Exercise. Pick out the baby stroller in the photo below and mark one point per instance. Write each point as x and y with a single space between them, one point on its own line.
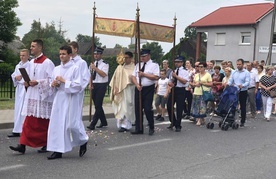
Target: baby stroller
226 109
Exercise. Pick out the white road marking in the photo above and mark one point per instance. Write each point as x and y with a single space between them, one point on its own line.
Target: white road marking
11 167
214 130
139 144
168 122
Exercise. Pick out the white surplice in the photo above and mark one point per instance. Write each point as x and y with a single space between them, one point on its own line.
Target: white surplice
65 130
38 101
20 92
123 101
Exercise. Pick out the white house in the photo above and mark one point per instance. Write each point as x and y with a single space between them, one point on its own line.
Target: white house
238 32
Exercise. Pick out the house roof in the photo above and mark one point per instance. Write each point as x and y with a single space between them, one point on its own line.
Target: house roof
235 15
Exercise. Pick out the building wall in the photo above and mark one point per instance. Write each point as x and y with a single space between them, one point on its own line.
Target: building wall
232 50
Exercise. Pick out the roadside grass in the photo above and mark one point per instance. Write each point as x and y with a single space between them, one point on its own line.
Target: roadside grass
6 103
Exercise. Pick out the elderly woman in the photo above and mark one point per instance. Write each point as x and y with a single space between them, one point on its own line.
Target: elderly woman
268 84
261 72
202 80
227 72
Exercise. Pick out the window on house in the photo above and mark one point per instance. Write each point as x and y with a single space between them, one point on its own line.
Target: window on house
220 39
245 38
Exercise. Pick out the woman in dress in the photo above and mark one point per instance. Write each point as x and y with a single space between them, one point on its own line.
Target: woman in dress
217 87
202 80
268 84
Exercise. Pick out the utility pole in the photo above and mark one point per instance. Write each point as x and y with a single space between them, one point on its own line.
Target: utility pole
268 60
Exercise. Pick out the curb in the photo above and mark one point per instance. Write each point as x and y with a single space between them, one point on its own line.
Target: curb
9 125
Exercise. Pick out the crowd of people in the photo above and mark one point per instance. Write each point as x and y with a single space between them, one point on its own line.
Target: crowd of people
49 99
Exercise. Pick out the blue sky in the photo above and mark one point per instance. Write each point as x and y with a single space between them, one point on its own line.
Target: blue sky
77 15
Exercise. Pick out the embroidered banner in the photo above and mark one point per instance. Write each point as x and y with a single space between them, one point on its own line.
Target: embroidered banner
156 32
116 27
126 28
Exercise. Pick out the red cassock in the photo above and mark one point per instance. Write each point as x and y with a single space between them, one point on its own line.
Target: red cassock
34 132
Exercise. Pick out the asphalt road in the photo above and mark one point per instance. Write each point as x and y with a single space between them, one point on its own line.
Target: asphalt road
195 152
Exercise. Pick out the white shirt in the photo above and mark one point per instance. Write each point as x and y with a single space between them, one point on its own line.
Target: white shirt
103 66
254 78
162 86
150 68
182 73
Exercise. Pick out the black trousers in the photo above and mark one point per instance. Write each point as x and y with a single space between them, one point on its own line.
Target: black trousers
187 107
242 101
98 94
147 98
179 99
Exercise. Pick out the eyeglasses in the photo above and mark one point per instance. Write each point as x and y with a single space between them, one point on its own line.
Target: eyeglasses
201 66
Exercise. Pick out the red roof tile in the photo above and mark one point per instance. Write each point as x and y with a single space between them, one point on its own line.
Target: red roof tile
235 15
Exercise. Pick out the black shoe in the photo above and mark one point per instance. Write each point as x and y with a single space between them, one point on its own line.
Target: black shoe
242 125
161 119
101 126
83 149
14 134
184 115
170 127
137 132
91 128
55 155
122 129
187 117
151 131
158 117
19 148
177 129
43 150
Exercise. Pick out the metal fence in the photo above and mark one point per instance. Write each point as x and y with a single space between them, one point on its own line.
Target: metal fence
7 90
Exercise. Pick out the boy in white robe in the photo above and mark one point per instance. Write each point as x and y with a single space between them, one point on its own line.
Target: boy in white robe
20 92
64 129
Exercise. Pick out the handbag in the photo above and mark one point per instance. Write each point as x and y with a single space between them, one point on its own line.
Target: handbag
206 95
272 94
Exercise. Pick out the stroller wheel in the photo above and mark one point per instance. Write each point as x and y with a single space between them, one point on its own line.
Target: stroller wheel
211 126
220 123
234 125
237 126
208 125
226 127
222 127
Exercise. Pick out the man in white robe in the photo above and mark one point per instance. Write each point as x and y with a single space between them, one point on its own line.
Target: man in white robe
38 102
122 92
85 73
20 92
65 129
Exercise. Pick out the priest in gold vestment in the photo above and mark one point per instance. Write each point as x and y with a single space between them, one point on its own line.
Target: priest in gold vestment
122 92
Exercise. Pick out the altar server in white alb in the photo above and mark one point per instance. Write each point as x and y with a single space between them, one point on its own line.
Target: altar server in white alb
64 129
20 92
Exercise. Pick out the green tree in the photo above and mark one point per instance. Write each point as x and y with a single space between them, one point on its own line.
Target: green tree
190 33
156 51
52 39
8 20
118 46
88 39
